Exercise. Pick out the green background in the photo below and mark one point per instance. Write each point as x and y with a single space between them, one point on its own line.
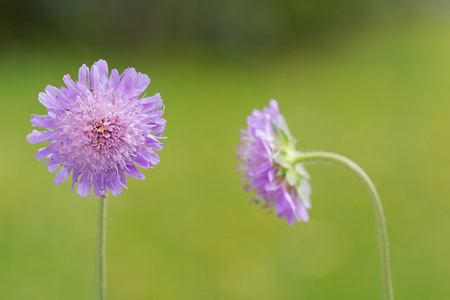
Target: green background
376 91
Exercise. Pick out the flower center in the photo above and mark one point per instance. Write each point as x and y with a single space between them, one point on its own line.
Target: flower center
99 125
101 138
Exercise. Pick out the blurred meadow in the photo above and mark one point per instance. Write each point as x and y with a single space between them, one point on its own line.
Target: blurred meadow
369 81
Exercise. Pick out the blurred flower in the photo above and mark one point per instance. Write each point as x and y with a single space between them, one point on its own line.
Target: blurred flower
99 129
266 158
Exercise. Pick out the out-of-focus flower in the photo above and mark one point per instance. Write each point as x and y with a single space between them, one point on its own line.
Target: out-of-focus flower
267 154
99 130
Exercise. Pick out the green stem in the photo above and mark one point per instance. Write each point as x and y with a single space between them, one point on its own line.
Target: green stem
100 272
377 207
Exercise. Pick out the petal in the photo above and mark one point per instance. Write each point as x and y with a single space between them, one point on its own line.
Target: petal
58 96
113 184
34 137
114 79
99 185
272 185
48 101
95 81
153 143
290 218
158 127
281 205
151 103
42 153
100 76
75 174
140 83
262 169
52 165
44 121
142 162
127 79
62 175
274 106
290 200
303 213
122 178
84 186
260 181
71 85
41 137
151 156
83 75
102 66
133 172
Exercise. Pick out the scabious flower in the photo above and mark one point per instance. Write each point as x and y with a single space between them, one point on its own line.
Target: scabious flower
266 155
99 129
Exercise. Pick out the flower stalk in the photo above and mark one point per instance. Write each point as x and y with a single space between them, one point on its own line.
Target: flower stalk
100 272
377 208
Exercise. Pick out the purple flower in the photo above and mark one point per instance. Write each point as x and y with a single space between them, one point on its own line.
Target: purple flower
99 130
267 154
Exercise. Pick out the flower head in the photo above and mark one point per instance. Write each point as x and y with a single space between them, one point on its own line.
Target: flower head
267 155
98 129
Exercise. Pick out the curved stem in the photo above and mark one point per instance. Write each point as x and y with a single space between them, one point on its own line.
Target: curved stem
377 207
100 272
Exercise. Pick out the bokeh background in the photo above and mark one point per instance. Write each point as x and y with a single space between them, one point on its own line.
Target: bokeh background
366 79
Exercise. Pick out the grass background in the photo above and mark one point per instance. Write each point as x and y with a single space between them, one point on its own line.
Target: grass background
379 96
